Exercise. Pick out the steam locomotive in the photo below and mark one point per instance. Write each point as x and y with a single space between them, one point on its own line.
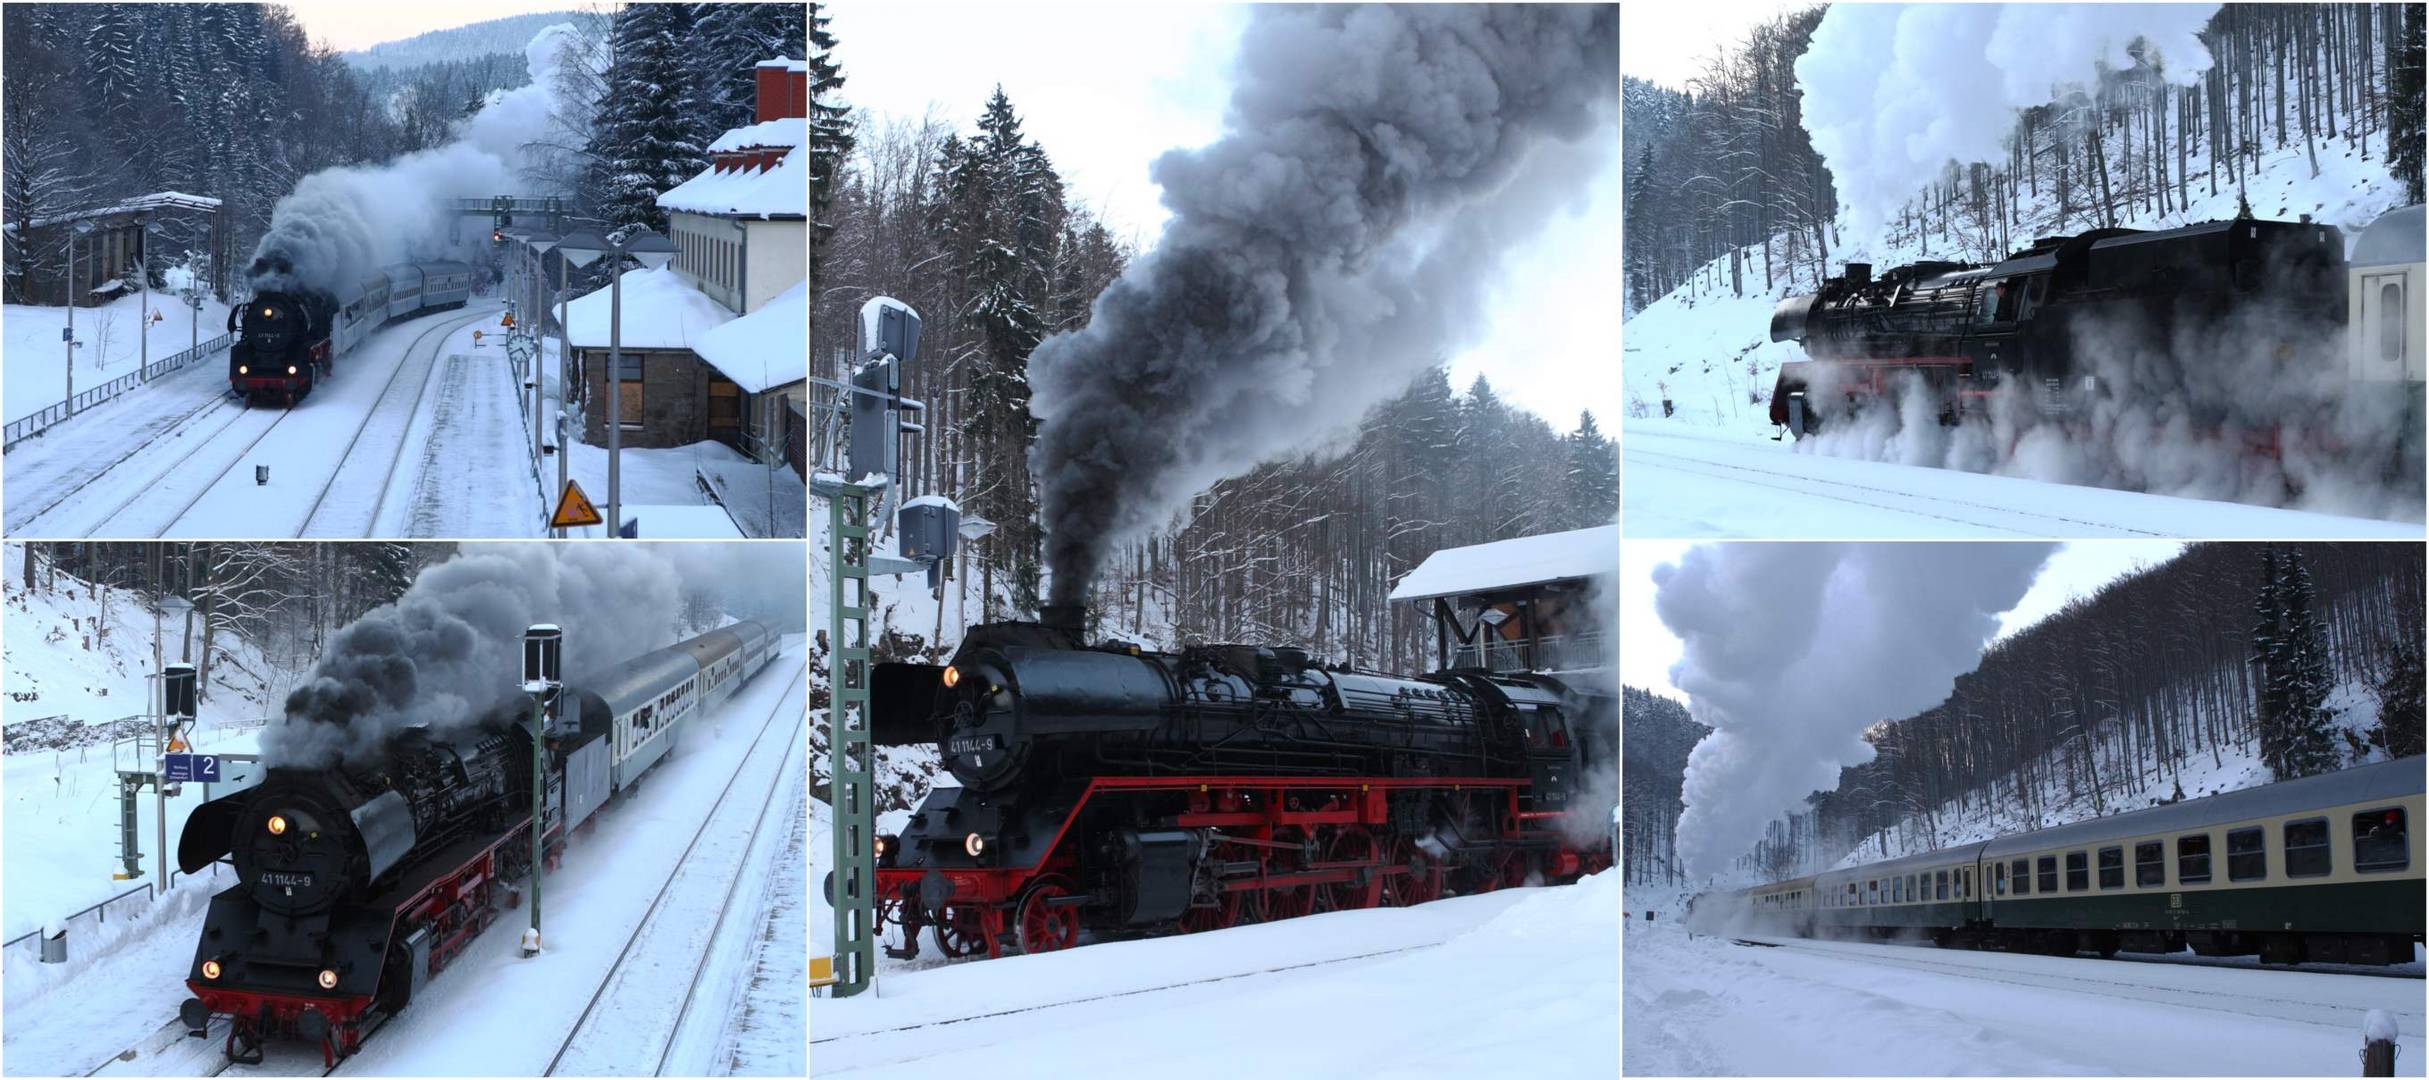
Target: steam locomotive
358 882
1123 791
2223 294
288 341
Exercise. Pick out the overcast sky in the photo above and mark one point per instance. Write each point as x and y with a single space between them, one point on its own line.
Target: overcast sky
1106 88
1648 648
347 25
1668 42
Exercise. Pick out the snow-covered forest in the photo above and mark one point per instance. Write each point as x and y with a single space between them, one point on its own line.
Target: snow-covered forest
1727 165
2230 665
235 102
973 227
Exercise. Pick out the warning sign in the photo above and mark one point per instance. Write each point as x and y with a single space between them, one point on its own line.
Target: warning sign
574 508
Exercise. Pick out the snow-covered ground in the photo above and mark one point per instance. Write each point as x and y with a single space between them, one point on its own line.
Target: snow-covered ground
1515 983
1684 479
1710 1006
112 337
715 941
752 499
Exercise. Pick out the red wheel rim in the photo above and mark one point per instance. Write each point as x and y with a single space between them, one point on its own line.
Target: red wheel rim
959 932
1353 844
1422 881
1045 926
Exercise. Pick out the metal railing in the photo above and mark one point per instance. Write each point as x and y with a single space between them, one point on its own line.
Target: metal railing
1557 652
24 427
28 945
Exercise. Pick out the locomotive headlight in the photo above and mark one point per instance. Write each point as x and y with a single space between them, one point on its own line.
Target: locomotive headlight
884 846
290 369
952 677
244 369
974 844
210 969
328 979
278 825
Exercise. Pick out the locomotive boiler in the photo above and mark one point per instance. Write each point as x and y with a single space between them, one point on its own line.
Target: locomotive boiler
2239 298
1125 791
288 341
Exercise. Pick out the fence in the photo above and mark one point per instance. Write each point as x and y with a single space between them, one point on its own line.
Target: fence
28 946
24 427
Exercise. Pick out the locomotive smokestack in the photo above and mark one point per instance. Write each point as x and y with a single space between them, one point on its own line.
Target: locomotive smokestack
1859 273
1067 617
1378 162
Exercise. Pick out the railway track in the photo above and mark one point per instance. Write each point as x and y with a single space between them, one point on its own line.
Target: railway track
618 1029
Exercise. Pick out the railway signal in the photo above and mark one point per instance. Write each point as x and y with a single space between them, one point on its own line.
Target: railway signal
542 666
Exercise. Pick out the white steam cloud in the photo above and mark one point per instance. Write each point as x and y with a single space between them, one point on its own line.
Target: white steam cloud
1897 91
1792 651
340 225
450 649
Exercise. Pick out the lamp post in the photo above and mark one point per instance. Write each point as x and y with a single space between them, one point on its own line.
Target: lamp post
653 252
83 227
143 315
541 668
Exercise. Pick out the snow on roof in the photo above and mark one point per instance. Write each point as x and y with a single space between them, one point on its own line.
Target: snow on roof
661 311
933 500
767 348
782 131
158 200
783 191
1508 564
787 63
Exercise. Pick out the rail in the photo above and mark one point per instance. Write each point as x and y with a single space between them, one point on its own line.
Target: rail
32 424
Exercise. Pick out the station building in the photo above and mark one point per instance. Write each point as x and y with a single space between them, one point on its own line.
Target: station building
1531 603
113 247
716 345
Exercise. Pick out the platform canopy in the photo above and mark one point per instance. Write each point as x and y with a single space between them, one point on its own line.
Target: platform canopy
1512 564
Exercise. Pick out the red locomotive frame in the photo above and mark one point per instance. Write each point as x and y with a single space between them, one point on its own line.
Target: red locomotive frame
1277 822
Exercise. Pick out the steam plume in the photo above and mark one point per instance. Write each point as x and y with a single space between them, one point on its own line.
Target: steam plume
342 224
450 647
1341 236
1793 650
1893 92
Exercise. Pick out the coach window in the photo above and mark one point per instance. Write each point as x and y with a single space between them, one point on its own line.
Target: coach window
2078 872
2380 841
2112 868
1965 883
2150 865
2391 323
2247 854
2047 871
2193 859
1998 879
1940 885
2022 871
2307 848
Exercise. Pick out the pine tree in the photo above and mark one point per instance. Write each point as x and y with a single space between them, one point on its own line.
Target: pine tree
1591 484
731 40
2404 78
649 132
2400 703
2310 732
830 133
2270 706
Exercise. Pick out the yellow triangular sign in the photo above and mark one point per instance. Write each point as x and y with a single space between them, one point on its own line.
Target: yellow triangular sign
574 508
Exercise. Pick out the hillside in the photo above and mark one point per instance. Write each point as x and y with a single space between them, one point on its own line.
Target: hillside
506 35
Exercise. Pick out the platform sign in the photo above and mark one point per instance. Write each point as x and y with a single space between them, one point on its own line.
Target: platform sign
574 509
191 768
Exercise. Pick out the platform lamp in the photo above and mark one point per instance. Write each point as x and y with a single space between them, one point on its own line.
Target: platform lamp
542 651
83 227
540 241
653 252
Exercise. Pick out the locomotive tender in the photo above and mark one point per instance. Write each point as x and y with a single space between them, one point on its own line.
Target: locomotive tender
359 882
289 341
2151 301
2322 869
1129 791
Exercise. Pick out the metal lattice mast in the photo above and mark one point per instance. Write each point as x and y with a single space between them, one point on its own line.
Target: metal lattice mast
849 751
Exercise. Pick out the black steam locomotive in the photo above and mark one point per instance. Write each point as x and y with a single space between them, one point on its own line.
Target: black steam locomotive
1128 791
2222 296
358 882
288 341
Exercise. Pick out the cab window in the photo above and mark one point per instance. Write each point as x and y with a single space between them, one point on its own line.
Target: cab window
2380 841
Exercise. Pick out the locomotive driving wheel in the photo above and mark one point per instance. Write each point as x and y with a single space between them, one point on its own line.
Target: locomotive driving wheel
961 931
1043 924
1422 881
1354 844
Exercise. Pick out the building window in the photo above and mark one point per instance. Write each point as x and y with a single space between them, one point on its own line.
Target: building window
2247 854
2380 841
628 390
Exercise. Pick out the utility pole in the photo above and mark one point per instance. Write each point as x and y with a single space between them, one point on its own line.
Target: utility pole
541 651
143 315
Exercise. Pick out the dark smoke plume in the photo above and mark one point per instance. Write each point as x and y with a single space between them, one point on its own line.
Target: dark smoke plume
1340 237
444 653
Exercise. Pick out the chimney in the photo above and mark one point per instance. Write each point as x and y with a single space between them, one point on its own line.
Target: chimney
1859 274
1071 618
784 90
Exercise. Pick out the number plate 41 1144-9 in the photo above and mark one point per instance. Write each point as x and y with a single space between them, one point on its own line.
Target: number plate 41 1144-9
974 744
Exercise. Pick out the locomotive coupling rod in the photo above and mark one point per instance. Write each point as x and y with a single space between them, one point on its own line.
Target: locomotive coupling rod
1247 841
